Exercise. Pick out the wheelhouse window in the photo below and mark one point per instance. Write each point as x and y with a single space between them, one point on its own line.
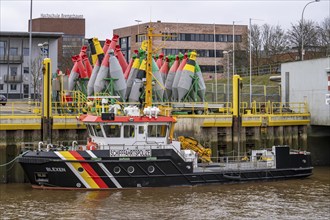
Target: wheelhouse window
97 130
112 130
141 129
157 130
90 130
129 131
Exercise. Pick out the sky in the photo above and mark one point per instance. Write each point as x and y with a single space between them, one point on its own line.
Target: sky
102 16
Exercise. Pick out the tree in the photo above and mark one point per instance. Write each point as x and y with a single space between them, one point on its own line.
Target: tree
309 31
36 71
256 44
274 42
324 36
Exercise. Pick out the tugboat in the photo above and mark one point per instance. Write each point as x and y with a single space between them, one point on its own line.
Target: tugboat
138 150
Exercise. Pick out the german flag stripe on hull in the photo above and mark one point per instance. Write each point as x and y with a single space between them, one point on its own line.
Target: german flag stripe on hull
88 176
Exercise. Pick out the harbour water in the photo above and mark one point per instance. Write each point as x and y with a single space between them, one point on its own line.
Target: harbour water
288 199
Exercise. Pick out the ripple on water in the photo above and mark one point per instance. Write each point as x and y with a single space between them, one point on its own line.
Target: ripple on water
292 199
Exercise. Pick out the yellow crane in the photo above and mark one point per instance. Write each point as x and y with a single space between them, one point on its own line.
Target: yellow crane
192 144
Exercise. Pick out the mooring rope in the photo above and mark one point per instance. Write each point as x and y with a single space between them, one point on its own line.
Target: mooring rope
13 160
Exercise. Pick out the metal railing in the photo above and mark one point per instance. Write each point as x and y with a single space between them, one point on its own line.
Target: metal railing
70 108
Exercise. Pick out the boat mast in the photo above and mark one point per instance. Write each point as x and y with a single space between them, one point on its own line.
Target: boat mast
148 93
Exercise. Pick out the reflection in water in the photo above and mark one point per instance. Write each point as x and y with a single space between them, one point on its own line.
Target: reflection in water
291 199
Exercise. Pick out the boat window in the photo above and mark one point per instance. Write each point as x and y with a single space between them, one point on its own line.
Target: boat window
98 130
129 131
141 129
90 130
157 130
112 130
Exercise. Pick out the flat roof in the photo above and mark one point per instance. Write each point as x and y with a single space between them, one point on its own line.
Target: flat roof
34 34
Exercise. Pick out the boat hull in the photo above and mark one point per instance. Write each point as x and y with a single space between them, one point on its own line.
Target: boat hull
82 171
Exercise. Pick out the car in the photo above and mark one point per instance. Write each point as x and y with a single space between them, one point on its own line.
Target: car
3 100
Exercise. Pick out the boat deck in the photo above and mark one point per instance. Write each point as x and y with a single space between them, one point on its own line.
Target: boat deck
231 166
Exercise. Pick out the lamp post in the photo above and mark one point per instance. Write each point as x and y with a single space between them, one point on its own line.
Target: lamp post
215 65
30 51
233 47
43 49
138 21
302 28
227 52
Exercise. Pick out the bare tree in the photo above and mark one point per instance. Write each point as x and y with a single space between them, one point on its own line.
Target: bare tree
274 42
256 43
324 36
36 70
309 31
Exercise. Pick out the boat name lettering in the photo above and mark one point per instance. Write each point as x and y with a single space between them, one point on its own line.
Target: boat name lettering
130 153
55 169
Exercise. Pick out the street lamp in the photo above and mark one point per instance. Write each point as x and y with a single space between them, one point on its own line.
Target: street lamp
30 51
302 28
138 21
234 46
227 52
43 49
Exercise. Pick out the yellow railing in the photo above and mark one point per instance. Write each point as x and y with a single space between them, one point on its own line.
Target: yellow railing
21 108
78 106
262 108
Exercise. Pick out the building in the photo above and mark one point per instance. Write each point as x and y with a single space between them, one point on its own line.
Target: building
14 61
309 81
73 27
209 40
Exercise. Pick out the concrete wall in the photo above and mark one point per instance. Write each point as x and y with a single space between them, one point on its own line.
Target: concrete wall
308 81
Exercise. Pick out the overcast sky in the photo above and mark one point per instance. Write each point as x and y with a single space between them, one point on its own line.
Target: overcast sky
103 16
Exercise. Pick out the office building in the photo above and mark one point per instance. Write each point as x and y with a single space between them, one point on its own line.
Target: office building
209 41
15 81
73 29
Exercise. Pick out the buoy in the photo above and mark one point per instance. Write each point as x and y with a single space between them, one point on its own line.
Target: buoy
164 69
170 78
74 74
186 76
121 58
91 81
160 60
116 72
177 77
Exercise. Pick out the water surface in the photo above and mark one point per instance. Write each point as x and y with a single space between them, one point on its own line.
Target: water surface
288 199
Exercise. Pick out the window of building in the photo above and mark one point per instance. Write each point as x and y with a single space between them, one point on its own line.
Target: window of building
210 68
129 131
13 51
13 87
25 51
238 38
112 130
13 71
229 38
129 42
26 70
1 86
2 48
207 37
